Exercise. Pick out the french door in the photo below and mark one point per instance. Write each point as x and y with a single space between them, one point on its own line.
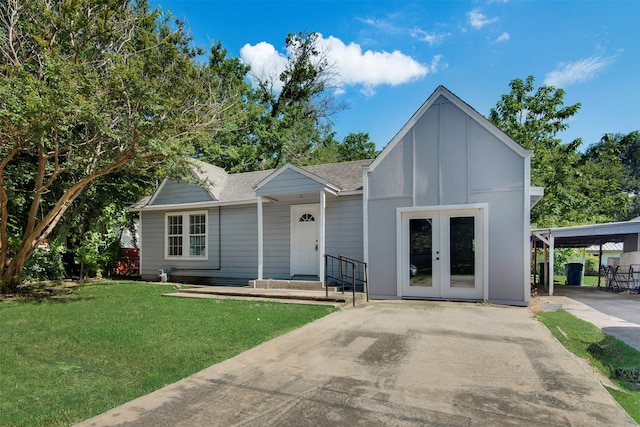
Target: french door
441 253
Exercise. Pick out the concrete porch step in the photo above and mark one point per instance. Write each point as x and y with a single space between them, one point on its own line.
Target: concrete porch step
296 296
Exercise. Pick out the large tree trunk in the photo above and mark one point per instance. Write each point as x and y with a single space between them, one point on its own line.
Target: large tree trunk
38 232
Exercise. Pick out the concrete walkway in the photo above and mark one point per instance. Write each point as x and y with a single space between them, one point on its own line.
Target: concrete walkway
615 314
400 363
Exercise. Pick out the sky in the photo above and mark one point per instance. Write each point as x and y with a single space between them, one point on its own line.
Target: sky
389 56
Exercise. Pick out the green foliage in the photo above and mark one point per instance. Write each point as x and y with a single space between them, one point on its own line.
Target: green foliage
285 118
591 266
617 160
112 342
89 88
608 354
45 263
579 189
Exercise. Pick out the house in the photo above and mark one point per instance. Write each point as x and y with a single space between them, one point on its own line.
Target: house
442 212
607 253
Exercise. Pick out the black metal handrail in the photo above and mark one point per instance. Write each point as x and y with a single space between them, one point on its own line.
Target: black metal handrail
347 272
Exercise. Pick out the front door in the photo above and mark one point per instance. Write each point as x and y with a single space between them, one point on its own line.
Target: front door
304 240
441 254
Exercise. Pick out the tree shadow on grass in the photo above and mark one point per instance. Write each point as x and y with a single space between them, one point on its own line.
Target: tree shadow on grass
37 293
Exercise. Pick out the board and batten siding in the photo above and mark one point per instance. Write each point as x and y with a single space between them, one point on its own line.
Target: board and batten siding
382 246
174 192
447 158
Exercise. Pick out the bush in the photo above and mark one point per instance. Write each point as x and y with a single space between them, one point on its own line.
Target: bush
45 263
591 266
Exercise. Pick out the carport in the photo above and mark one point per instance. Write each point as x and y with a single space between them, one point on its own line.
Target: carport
582 236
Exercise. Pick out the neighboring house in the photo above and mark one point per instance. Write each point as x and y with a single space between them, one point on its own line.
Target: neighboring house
442 212
609 250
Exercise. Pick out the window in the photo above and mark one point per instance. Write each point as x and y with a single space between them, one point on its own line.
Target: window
186 235
307 217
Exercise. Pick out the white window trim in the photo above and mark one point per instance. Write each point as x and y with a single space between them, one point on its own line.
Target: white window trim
185 236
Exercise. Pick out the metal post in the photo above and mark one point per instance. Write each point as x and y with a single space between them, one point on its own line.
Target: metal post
599 264
353 282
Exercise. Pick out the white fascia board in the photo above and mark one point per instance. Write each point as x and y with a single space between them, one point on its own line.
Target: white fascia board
195 205
350 193
329 186
158 190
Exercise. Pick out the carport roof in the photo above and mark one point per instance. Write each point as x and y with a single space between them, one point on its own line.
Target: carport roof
581 236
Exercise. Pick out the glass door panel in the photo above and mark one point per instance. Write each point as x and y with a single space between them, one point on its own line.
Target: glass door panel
421 252
462 248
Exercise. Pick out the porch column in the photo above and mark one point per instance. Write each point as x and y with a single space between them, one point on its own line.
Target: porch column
323 202
551 267
260 239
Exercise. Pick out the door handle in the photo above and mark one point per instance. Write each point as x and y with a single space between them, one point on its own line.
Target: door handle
316 245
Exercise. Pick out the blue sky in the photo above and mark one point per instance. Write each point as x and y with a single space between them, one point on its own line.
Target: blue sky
391 55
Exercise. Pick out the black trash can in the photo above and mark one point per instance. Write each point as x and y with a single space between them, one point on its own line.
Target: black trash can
573 272
542 281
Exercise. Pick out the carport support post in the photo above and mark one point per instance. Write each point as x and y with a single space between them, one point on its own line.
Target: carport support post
599 263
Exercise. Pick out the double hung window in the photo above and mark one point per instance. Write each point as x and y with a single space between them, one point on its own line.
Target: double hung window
186 235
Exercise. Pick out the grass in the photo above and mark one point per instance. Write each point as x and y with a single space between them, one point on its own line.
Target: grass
586 280
615 359
108 343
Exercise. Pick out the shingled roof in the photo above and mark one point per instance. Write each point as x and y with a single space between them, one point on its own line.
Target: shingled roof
238 187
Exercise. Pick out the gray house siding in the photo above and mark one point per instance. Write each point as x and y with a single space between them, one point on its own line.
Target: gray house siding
382 246
232 245
494 165
233 229
506 251
276 240
289 181
183 192
344 227
447 158
395 180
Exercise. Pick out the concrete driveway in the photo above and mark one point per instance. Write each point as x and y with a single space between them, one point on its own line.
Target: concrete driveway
396 363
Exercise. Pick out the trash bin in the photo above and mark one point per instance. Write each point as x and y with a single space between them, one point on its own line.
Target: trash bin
573 271
542 281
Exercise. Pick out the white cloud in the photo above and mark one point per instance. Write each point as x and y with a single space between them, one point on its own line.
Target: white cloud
437 64
265 61
503 37
478 19
578 71
352 65
431 38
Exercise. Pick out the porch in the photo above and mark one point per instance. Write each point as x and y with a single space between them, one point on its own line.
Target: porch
293 296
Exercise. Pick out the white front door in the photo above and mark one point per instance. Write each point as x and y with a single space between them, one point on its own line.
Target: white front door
442 253
305 258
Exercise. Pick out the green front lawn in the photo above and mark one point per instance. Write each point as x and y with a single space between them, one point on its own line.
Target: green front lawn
614 358
108 343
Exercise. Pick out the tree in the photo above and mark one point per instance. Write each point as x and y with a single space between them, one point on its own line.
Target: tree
617 157
89 88
354 146
533 117
298 105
